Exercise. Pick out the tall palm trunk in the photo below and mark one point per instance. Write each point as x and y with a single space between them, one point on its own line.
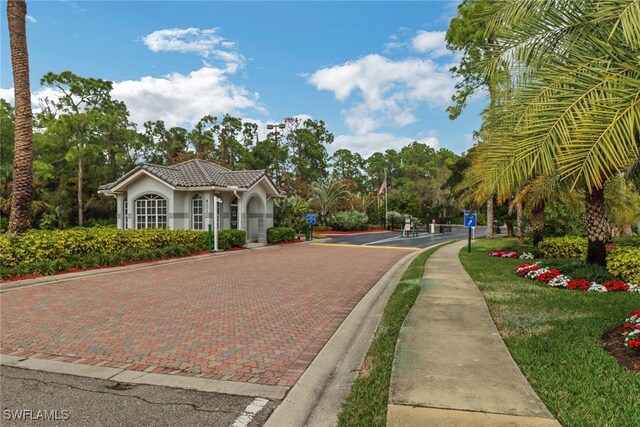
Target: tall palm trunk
596 223
519 222
22 198
490 218
537 222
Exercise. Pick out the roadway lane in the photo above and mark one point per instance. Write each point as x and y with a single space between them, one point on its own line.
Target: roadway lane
395 239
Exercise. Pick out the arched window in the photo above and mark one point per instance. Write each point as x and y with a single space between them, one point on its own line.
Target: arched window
196 212
151 212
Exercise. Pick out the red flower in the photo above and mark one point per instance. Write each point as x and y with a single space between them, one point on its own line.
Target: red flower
634 343
579 284
523 269
548 275
615 285
635 313
628 327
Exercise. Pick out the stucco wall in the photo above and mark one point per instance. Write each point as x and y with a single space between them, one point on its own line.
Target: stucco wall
179 210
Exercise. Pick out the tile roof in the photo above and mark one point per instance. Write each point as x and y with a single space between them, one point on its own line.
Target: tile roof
195 173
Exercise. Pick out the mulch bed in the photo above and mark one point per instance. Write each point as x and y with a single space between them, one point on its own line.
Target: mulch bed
612 342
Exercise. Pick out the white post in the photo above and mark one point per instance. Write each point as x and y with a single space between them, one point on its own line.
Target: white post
386 214
215 223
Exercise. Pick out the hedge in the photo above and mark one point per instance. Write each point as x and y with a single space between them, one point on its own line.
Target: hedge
48 252
231 239
624 262
348 221
280 234
564 247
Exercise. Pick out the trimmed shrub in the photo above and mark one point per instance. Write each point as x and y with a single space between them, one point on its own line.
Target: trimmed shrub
322 228
280 234
624 262
627 241
231 239
564 247
48 252
348 221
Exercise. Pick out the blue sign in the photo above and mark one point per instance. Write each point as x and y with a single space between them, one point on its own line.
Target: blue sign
311 219
470 218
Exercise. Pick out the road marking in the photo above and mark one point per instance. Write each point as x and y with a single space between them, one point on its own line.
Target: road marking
249 412
368 247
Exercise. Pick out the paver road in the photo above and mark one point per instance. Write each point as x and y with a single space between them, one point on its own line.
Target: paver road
257 316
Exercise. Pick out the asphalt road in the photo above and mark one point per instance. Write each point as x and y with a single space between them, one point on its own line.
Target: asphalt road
48 399
391 238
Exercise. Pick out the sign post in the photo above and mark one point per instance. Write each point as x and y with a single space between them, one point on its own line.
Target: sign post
311 221
470 223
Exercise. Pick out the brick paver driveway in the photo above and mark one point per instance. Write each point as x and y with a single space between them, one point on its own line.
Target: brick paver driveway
259 316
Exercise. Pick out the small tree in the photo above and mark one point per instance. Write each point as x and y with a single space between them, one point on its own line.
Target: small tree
326 195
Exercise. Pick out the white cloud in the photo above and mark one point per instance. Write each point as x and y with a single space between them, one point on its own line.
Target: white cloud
431 42
368 144
390 90
183 99
205 43
31 19
7 95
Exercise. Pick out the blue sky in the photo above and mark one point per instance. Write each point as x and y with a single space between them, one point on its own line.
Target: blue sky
375 72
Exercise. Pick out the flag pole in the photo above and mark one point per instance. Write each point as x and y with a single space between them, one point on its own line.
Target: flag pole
386 188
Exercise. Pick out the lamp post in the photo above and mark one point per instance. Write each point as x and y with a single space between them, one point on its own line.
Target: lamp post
277 126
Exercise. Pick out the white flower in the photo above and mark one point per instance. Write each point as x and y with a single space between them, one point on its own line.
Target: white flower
633 288
535 273
526 255
559 281
596 287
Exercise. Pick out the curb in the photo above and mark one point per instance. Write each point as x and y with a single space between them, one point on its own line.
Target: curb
137 377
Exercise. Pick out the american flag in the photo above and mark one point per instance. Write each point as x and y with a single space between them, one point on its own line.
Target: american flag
383 187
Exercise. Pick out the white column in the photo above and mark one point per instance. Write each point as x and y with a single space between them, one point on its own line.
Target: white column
215 223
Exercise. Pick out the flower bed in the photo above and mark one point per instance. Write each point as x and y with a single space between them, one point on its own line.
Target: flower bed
510 254
556 279
631 331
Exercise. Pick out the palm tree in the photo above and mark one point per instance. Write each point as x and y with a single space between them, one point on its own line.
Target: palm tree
20 218
326 195
573 101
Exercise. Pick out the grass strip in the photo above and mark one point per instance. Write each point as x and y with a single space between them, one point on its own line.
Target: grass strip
366 404
554 335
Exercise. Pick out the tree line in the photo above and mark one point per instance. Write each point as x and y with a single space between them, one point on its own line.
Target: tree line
84 138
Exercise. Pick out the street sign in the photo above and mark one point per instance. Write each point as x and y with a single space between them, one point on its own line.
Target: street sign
311 219
470 218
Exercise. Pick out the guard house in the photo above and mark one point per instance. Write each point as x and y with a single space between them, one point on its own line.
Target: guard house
181 197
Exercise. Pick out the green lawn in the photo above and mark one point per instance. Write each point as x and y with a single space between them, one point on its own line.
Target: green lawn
366 404
555 337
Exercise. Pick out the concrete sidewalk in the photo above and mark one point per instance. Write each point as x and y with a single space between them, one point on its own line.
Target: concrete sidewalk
451 367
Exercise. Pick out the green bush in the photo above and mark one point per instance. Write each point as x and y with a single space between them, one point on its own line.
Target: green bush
231 239
564 247
48 252
348 221
280 234
322 228
628 241
624 262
